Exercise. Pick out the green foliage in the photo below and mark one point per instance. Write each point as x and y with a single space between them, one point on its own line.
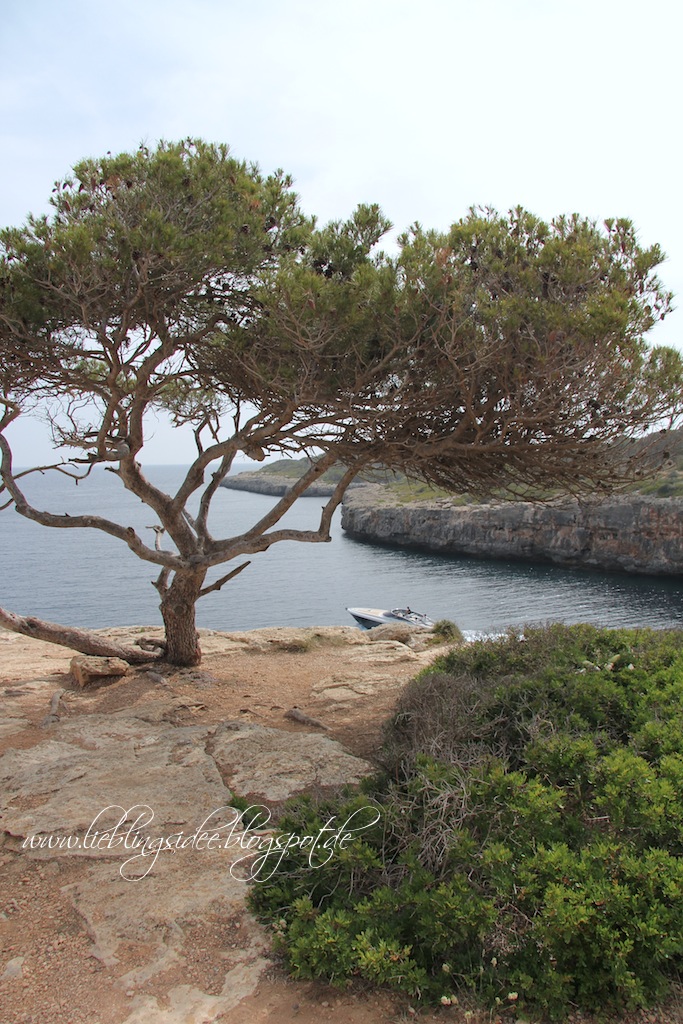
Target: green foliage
506 355
531 832
405 491
519 280
295 469
444 629
324 333
153 252
186 216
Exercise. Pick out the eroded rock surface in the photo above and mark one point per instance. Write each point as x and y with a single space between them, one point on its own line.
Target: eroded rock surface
268 764
93 671
628 534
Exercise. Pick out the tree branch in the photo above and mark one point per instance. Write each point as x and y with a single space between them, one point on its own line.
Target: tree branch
294 492
224 579
249 543
77 639
216 479
124 533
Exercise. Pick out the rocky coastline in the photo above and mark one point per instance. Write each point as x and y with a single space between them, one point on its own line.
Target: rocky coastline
626 533
633 534
259 482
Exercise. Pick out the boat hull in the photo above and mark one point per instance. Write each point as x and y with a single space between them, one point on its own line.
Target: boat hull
368 618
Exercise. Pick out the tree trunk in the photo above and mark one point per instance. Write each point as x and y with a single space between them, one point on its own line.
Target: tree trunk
75 639
178 612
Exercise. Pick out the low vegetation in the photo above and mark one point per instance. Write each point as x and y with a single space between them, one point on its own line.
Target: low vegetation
294 469
528 846
446 630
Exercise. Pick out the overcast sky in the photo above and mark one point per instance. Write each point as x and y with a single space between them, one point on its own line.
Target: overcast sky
426 107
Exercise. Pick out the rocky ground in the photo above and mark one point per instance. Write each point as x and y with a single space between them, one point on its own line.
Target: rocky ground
97 934
82 940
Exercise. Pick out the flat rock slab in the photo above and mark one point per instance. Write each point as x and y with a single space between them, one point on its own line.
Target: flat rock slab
122 760
12 720
189 1005
272 765
140 781
382 652
158 902
343 693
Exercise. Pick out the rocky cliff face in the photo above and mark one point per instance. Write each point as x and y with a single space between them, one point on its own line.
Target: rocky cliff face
628 534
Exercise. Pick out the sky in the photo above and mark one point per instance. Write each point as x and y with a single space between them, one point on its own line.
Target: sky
426 108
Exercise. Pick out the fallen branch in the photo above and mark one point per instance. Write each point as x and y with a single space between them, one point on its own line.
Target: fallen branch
296 715
76 639
147 643
53 715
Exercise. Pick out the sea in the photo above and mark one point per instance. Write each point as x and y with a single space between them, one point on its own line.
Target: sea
82 577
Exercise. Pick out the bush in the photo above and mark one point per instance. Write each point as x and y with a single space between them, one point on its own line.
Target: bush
447 630
530 837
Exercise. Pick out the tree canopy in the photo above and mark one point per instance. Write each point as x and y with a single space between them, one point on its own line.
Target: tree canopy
505 353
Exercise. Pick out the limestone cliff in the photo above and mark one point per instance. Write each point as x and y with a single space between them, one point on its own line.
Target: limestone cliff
275 484
628 533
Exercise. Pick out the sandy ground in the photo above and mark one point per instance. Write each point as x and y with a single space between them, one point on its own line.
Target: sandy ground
50 970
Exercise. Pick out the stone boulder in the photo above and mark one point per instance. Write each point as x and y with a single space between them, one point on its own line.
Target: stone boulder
412 636
88 671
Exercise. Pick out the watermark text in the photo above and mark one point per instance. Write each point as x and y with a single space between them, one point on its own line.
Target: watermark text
260 849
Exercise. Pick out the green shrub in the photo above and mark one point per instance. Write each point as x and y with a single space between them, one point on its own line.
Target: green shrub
445 629
530 838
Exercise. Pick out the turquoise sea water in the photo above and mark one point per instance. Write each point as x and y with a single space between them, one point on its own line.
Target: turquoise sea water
83 577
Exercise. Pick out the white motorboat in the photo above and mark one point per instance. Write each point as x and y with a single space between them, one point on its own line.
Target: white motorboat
368 618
